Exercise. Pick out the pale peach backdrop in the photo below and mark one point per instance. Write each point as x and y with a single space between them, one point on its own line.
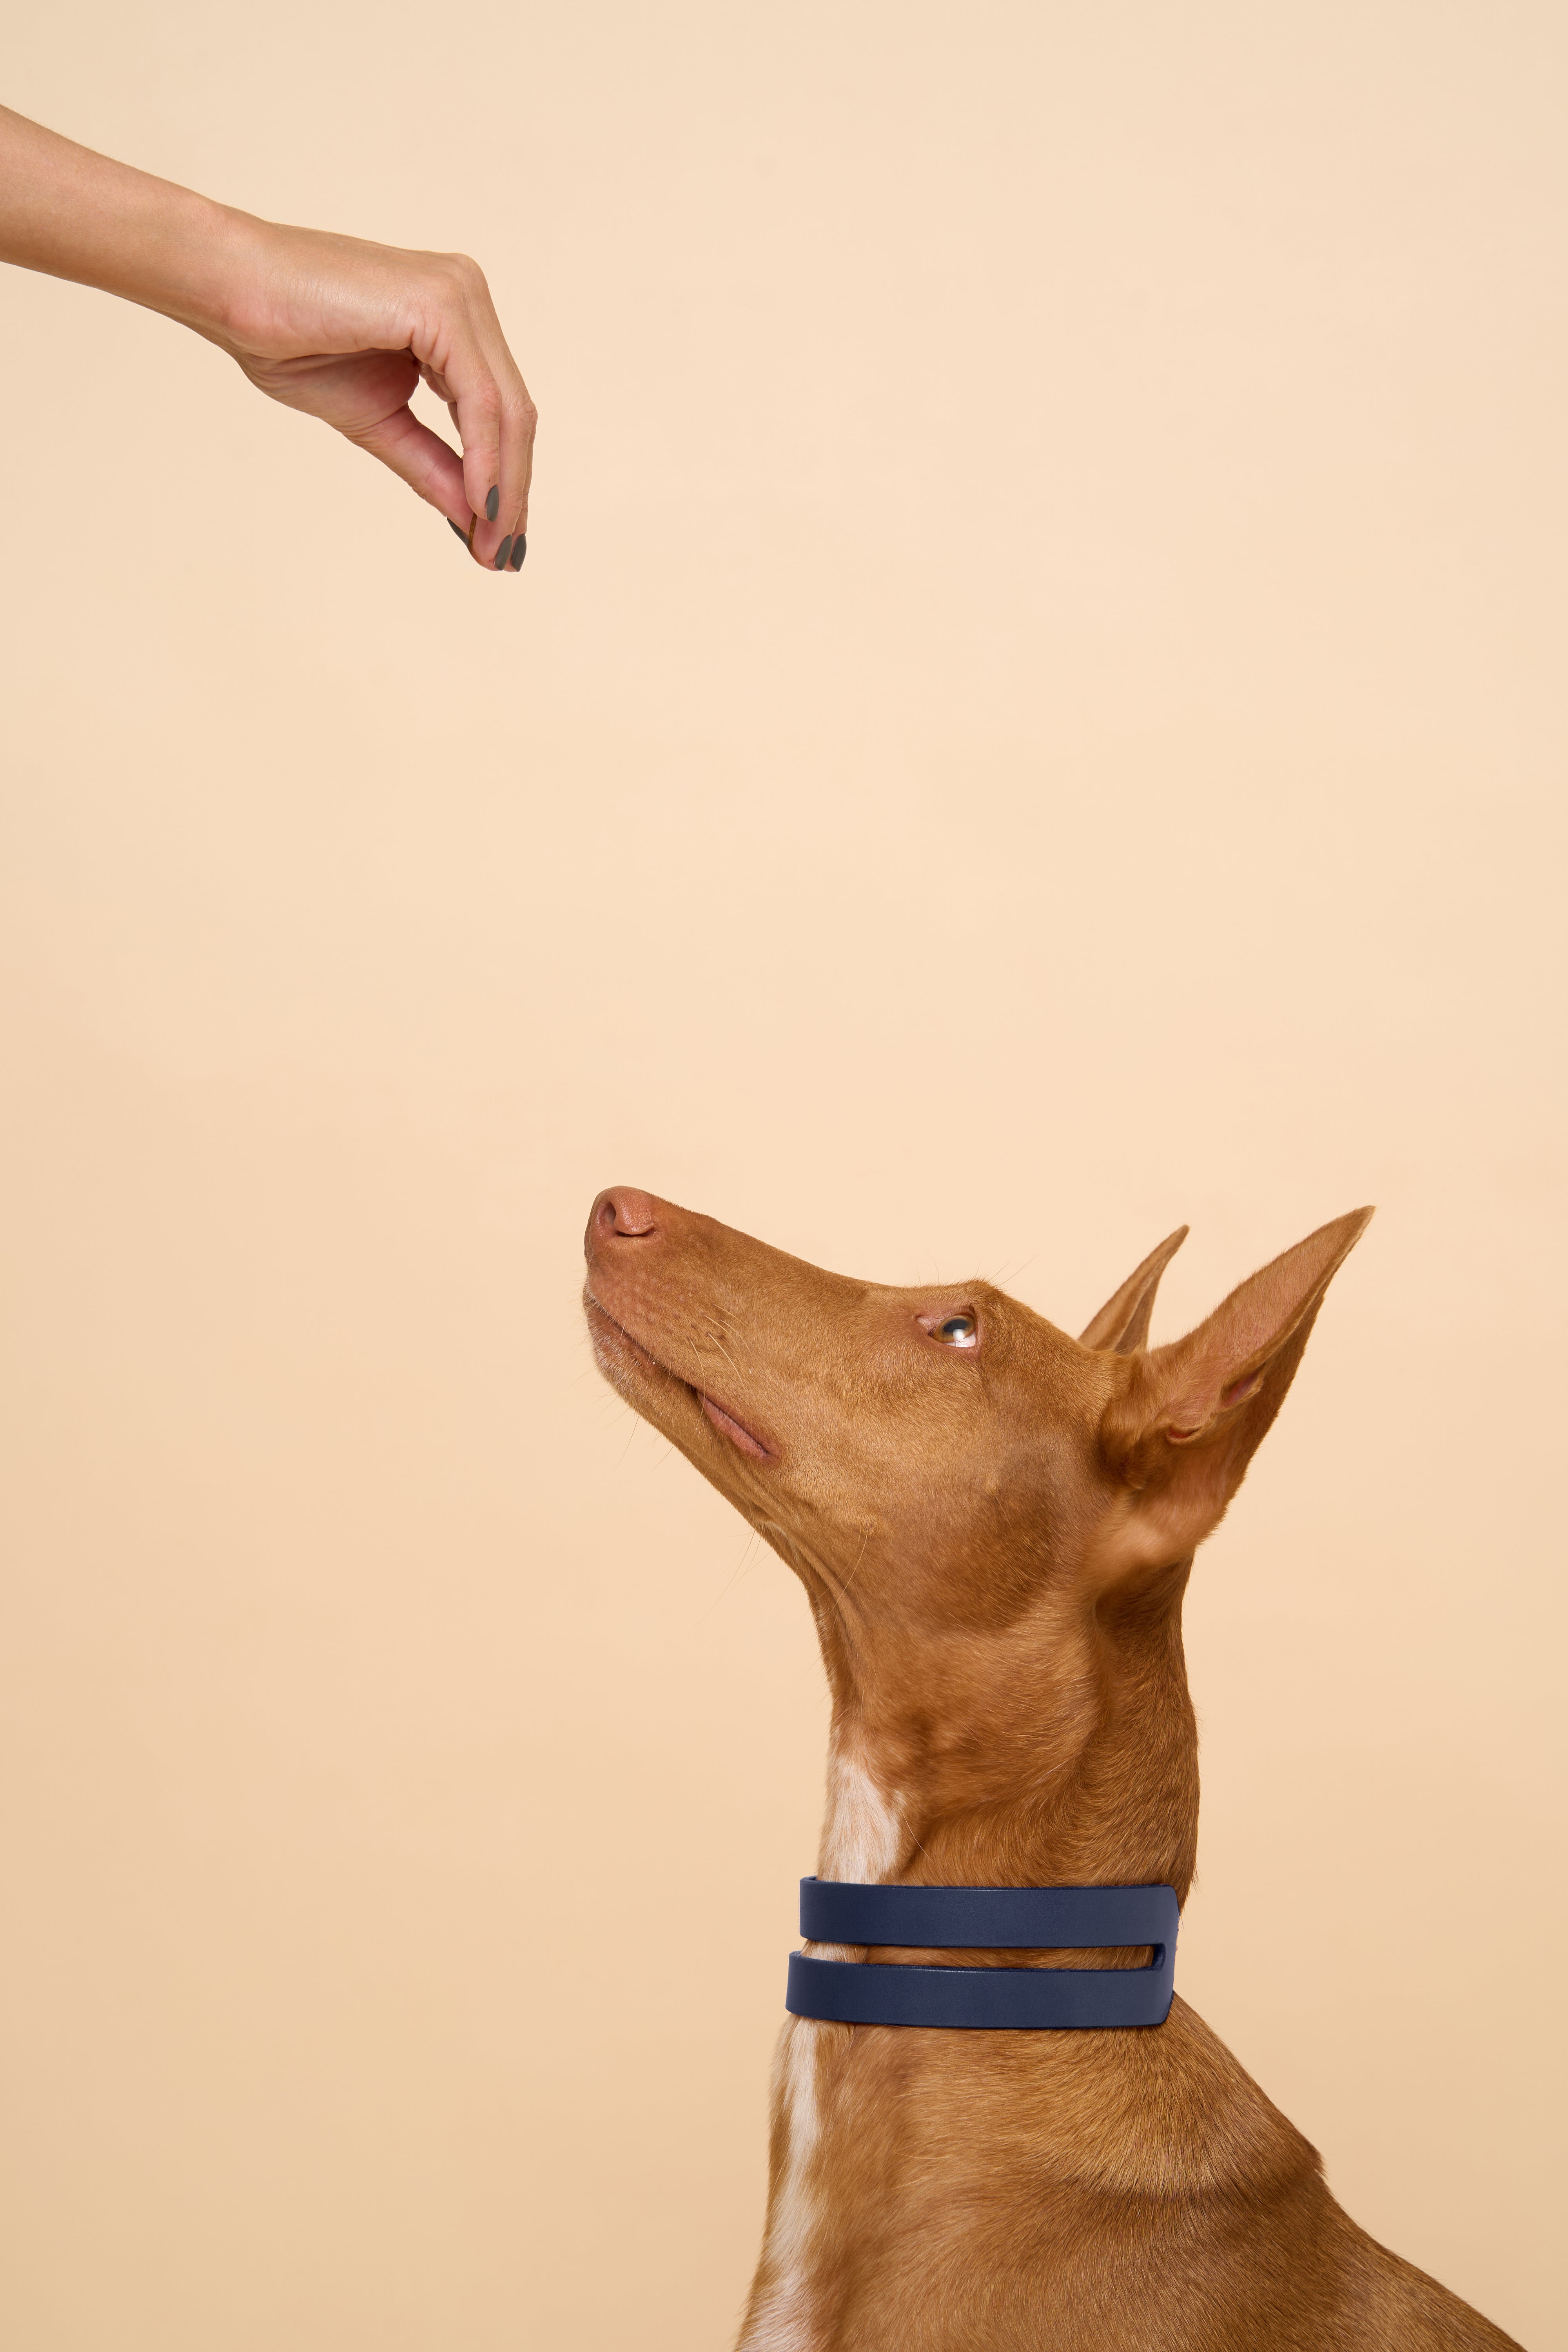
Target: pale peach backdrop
1035 711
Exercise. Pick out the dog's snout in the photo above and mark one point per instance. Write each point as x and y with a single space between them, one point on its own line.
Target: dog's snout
623 1213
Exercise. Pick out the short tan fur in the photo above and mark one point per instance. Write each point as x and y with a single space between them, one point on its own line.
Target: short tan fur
994 1524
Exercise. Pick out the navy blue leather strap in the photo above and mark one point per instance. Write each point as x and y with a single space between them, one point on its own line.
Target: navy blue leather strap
938 1918
987 1919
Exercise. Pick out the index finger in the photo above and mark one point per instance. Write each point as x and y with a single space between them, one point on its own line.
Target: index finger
490 408
507 513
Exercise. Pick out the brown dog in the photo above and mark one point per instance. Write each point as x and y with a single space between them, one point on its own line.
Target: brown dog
994 1524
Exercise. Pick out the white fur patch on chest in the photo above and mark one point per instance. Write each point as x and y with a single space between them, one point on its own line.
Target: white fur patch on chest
783 2319
860 1834
860 1843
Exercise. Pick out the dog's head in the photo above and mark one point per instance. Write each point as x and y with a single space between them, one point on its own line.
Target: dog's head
944 1460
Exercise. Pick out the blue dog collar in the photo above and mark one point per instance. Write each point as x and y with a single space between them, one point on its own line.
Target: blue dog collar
984 1919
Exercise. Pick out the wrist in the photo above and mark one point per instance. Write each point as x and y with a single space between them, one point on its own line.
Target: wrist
226 269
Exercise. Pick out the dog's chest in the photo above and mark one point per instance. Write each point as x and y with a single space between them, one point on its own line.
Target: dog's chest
781 2316
861 1842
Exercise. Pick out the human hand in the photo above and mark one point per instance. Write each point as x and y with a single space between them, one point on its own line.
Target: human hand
335 326
345 330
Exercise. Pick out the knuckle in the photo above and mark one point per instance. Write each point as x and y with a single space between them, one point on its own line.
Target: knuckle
459 282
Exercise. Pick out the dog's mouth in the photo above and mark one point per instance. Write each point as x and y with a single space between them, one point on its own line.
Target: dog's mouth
611 1337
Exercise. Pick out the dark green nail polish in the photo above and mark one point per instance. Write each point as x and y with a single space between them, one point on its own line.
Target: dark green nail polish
457 527
518 549
492 504
502 551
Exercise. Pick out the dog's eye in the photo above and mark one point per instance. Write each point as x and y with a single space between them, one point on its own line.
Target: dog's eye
957 1332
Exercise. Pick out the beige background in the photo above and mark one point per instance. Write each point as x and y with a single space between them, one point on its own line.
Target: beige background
1035 711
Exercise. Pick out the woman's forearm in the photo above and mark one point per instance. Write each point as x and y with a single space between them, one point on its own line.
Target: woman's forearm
339 328
74 214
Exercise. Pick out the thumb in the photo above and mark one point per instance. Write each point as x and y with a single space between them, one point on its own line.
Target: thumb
430 467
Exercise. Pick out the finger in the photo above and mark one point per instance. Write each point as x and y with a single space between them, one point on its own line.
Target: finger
490 405
503 512
527 428
520 420
459 343
475 407
430 466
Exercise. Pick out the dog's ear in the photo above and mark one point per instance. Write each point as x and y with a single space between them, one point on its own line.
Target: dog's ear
1188 1418
1122 1323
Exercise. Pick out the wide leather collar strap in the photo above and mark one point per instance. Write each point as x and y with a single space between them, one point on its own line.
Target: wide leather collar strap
984 1919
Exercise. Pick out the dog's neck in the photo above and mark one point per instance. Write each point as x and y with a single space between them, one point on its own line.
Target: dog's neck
1060 1752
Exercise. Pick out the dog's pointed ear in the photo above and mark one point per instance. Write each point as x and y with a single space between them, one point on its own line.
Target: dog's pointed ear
1122 1323
1188 1418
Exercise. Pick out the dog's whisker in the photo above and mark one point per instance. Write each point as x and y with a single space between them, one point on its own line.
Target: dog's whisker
859 1557
735 1575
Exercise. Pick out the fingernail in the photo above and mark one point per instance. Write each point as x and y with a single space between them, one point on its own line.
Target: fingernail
457 527
518 549
502 551
492 504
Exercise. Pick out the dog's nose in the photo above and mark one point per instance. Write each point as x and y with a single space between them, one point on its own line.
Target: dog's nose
623 1213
